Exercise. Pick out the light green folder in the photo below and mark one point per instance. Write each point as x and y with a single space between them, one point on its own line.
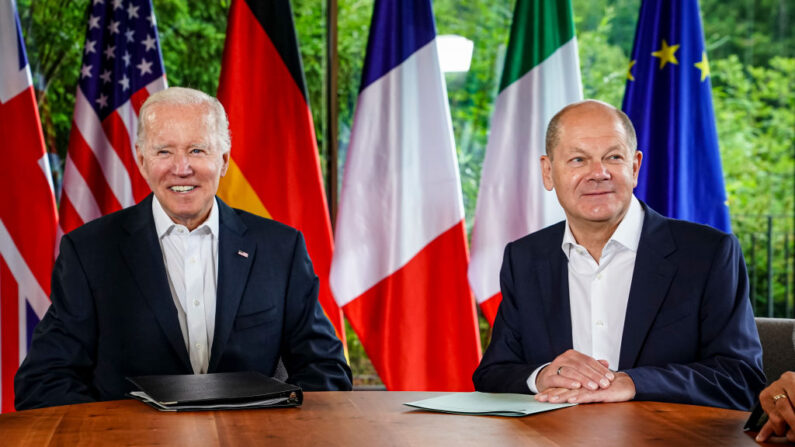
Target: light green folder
486 404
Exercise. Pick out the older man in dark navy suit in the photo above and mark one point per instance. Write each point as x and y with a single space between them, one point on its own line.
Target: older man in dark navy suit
180 283
617 302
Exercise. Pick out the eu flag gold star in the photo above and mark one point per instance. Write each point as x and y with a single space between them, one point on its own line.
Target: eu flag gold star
666 54
629 71
703 66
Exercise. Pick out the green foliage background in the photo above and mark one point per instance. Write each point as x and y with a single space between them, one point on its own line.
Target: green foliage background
750 45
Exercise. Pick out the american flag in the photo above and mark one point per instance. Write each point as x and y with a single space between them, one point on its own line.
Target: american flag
122 65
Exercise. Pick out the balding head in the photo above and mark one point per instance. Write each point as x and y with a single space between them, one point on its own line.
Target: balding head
593 165
557 123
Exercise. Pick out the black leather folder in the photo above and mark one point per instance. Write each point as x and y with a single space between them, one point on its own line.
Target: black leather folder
219 391
757 419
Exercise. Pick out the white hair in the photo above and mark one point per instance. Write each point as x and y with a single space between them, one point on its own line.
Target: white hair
215 118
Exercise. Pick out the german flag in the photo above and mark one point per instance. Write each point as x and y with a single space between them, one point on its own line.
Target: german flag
274 169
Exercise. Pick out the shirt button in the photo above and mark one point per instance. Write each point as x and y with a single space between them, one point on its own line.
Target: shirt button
598 276
196 303
600 323
198 346
192 260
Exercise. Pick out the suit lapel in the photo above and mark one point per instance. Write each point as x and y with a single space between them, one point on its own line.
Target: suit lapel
650 281
236 253
144 258
553 278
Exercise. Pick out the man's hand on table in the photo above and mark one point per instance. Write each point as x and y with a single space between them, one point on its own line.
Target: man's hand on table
778 401
574 370
620 390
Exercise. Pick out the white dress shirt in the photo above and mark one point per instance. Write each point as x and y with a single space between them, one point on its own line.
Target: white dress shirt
191 259
599 291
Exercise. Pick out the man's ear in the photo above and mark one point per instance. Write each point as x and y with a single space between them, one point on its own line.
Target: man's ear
225 166
636 161
546 172
139 156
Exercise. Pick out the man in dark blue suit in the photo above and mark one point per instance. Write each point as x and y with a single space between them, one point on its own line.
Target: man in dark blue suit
180 283
617 302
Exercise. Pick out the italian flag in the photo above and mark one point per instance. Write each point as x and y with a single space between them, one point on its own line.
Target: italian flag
541 76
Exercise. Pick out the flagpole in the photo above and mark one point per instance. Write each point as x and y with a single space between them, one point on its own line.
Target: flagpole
331 128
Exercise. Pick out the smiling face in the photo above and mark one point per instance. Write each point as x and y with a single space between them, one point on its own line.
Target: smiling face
180 161
592 168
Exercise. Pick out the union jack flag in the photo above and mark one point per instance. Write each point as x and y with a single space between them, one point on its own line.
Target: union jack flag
27 209
122 65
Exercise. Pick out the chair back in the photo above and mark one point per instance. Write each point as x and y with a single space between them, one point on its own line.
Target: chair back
778 345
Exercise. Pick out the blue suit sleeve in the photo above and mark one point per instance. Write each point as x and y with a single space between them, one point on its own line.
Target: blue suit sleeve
729 372
504 368
311 351
59 364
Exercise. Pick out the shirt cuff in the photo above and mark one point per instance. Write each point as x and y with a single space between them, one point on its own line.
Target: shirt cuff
531 381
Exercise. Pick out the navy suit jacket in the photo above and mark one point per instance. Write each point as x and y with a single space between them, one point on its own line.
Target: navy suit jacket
113 316
689 333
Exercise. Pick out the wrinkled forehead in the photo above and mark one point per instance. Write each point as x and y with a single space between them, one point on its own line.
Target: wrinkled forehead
592 126
164 111
186 121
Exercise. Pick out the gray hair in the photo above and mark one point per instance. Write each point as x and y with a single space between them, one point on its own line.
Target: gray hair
215 118
553 129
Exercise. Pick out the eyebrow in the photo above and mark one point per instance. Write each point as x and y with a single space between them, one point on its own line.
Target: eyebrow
577 150
190 145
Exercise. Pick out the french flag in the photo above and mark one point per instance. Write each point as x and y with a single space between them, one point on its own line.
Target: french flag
400 262
27 209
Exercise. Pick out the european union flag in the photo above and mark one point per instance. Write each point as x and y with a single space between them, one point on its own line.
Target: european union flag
669 99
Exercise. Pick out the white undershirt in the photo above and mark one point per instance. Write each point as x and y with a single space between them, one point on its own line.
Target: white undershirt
191 259
599 292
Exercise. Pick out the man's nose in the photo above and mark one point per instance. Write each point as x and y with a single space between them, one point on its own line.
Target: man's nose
182 165
598 171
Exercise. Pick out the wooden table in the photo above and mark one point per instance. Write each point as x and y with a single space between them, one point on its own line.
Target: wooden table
374 418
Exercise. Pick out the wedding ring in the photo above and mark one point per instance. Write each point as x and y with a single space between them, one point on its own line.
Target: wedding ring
775 398
562 368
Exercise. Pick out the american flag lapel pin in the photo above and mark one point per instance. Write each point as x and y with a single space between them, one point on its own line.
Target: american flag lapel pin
242 253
